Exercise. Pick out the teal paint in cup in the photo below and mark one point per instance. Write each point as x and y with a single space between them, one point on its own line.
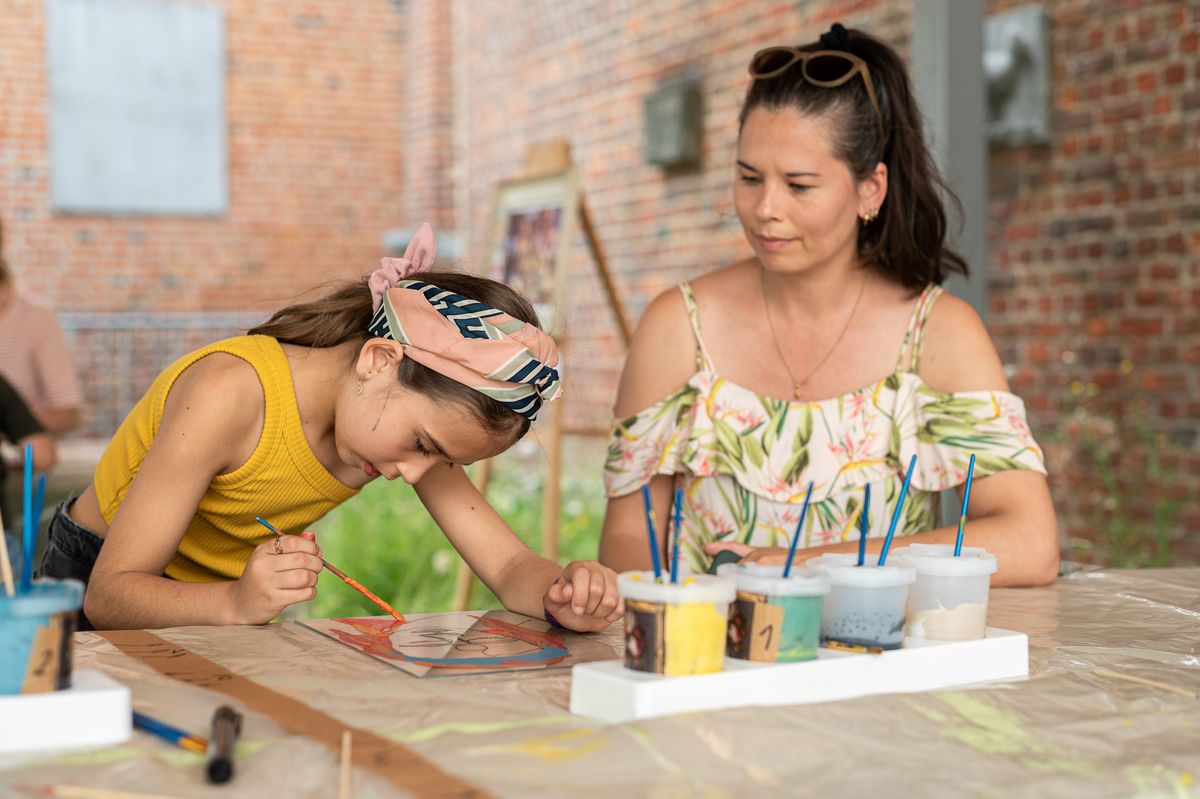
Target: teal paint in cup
774 619
36 629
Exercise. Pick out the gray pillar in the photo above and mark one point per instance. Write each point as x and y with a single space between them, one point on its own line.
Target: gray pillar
947 70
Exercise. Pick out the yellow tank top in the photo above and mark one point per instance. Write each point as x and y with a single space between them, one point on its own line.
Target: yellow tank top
282 481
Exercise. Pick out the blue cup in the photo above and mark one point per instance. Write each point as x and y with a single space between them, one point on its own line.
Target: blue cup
36 631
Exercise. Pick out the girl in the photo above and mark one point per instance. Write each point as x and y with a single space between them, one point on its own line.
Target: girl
399 378
831 355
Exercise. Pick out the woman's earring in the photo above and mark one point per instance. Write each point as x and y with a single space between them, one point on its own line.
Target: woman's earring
358 387
868 216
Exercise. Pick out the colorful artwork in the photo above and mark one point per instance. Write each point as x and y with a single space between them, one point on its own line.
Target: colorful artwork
471 642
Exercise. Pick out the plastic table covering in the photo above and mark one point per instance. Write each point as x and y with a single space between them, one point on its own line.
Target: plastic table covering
1073 729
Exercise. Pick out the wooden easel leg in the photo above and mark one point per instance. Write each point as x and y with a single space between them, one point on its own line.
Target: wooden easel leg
552 497
462 582
610 288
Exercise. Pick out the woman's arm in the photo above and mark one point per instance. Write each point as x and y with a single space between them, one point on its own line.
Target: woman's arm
211 423
583 596
1014 534
661 358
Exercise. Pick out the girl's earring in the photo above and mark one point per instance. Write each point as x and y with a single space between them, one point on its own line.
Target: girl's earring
358 387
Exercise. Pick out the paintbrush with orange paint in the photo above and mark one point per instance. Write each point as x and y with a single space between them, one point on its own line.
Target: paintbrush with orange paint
348 580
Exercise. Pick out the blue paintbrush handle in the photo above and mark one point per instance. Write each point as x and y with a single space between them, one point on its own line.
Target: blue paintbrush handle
887 542
787 567
962 516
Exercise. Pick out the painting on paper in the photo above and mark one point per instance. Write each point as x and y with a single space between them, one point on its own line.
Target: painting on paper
469 642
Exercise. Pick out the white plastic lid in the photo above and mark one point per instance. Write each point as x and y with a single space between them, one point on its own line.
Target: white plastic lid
843 569
693 589
938 560
761 578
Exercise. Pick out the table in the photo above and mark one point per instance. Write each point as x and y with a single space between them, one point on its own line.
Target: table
1110 709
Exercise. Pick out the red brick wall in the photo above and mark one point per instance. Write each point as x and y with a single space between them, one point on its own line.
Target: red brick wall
1093 292
1093 239
314 111
536 71
377 115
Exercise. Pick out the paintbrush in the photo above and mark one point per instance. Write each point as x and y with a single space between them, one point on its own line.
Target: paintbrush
350 581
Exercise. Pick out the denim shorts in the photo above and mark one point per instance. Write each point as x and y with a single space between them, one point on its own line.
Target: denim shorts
71 551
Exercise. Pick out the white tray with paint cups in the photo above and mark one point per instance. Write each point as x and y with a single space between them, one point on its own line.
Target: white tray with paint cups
608 691
948 601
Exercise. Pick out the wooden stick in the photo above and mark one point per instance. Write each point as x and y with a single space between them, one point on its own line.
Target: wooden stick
83 792
5 563
344 772
552 493
1175 689
606 278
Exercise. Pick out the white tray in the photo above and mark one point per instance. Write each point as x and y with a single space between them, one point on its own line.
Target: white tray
93 712
607 690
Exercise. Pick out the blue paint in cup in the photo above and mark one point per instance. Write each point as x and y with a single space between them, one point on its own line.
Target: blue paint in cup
36 629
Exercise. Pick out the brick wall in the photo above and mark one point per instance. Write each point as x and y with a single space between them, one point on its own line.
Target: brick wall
350 120
528 72
315 117
1094 298
1093 292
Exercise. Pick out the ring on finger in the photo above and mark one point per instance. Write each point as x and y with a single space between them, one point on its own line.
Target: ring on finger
278 546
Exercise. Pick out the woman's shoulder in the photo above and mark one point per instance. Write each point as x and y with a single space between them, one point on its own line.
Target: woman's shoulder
957 353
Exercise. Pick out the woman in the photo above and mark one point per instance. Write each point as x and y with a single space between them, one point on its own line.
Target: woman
832 355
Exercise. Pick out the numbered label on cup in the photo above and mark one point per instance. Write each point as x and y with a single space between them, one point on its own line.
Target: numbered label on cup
754 627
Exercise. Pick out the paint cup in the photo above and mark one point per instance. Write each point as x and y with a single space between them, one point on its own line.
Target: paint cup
36 631
773 618
865 604
948 602
675 628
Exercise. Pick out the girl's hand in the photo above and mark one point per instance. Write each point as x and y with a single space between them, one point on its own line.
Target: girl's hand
747 553
280 572
584 597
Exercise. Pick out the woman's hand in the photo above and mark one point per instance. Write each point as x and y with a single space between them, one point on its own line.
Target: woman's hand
747 553
279 573
584 597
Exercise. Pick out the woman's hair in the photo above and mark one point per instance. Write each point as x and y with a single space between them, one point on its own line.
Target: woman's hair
344 314
907 240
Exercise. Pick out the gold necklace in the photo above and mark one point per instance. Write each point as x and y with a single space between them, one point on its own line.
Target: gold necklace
796 384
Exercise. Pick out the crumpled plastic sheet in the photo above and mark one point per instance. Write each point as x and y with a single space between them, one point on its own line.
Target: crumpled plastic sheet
1071 730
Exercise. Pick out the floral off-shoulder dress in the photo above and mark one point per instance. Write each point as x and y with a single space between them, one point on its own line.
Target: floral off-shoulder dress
744 460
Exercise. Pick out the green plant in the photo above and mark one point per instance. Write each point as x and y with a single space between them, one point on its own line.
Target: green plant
1117 470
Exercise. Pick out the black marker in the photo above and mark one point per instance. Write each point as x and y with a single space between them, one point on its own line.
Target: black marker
226 725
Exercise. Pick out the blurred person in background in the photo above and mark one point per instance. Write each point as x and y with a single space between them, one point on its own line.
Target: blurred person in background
34 357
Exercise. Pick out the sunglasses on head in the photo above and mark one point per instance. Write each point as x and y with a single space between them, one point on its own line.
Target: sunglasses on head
827 69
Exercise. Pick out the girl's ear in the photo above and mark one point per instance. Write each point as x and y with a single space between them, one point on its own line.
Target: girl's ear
378 355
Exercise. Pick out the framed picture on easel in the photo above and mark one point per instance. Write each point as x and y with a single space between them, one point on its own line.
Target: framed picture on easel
534 227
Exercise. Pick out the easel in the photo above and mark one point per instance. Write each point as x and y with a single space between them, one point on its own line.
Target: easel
549 158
